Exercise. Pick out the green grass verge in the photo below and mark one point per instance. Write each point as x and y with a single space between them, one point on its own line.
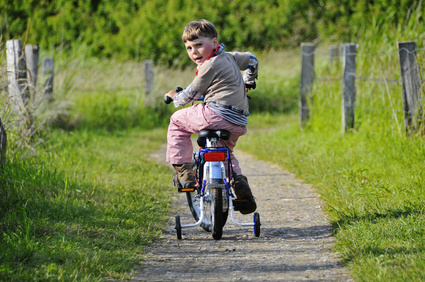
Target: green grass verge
372 185
89 218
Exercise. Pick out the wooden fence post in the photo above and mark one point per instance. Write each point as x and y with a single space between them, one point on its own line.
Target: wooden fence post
17 82
149 77
47 67
3 144
333 55
349 86
307 79
411 84
31 58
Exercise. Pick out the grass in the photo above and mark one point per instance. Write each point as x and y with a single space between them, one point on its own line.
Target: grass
81 200
110 94
82 203
373 190
370 178
84 210
277 86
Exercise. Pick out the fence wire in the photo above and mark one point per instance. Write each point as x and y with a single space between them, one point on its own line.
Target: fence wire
340 56
333 58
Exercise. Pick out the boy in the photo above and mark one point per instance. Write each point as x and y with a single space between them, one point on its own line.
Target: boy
219 80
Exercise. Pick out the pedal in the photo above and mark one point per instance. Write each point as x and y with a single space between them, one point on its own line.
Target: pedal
240 204
182 190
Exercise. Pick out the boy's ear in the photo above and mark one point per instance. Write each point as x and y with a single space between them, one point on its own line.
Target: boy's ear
215 42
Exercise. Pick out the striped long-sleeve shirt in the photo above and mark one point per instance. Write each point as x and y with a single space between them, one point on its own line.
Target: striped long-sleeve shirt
222 84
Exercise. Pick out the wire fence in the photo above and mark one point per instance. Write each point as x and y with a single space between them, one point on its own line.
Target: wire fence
341 54
393 76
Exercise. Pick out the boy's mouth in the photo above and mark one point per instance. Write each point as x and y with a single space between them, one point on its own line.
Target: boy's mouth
198 59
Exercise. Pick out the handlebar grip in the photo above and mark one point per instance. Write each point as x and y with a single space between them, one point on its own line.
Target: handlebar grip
168 99
251 86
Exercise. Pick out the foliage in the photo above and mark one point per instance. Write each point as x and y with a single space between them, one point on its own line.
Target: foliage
277 86
350 19
151 29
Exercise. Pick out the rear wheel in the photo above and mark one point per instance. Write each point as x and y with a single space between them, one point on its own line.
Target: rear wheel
217 212
193 201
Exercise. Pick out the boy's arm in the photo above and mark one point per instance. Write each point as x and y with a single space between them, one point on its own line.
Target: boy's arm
196 88
248 63
187 95
251 72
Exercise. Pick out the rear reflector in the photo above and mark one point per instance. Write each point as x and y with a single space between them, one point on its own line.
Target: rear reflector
214 156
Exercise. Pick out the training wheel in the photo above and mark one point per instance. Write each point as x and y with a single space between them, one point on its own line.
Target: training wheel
178 227
257 224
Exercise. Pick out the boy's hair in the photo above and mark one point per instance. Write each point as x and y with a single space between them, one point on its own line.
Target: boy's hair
196 29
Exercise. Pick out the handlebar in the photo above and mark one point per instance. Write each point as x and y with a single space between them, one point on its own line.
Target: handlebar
251 86
168 99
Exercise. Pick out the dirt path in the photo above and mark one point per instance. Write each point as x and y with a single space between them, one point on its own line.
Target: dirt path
295 241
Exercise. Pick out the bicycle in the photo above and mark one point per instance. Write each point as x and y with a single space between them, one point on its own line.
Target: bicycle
212 199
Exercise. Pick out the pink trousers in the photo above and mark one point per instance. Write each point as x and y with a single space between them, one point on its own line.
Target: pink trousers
187 121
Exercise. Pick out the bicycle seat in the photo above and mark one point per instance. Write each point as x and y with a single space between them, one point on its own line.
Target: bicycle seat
212 133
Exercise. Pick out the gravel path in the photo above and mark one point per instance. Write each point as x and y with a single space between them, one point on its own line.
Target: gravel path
295 242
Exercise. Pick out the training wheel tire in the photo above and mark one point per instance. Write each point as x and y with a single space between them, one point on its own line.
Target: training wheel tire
257 224
178 227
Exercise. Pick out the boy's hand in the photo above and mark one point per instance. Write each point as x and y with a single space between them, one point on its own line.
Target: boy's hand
171 94
169 97
249 86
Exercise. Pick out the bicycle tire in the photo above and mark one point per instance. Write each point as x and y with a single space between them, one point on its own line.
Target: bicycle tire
217 212
196 211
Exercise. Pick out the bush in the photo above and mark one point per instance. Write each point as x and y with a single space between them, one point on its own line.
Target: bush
152 29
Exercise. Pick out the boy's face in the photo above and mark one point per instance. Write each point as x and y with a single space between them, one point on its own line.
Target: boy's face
201 49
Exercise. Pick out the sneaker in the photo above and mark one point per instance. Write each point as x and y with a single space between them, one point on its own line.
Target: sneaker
243 192
184 178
